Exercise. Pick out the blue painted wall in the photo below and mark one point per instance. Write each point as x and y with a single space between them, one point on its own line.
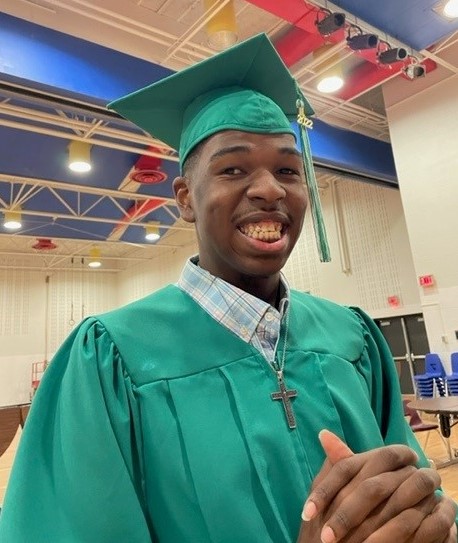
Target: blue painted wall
47 59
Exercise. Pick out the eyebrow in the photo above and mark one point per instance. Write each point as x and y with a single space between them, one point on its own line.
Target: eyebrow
229 150
245 149
290 151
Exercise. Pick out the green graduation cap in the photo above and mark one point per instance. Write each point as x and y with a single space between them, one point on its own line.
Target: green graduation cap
246 88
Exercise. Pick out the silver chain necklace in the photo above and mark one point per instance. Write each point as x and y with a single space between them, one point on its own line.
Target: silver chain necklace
284 394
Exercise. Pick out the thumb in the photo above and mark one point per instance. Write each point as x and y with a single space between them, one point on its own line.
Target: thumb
334 447
335 450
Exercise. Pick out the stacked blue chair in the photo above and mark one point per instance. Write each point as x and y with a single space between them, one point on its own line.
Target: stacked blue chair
424 386
432 382
452 379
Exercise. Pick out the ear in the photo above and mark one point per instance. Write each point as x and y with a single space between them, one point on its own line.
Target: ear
183 198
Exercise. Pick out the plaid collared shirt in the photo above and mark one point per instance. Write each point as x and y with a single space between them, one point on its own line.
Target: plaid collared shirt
251 319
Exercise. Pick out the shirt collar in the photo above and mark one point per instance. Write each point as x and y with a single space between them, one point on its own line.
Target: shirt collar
226 303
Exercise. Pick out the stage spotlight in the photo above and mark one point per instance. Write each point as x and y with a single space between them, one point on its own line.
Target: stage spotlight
392 55
331 23
362 41
415 70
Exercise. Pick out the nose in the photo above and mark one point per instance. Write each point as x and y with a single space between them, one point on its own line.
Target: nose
265 187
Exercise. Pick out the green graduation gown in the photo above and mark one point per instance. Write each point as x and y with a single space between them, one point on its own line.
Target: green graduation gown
155 423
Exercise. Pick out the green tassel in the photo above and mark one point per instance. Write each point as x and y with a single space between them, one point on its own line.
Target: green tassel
312 187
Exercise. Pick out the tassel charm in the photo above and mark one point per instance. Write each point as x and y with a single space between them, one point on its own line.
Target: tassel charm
302 118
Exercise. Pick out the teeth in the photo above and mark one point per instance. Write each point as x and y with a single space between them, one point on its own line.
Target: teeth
264 231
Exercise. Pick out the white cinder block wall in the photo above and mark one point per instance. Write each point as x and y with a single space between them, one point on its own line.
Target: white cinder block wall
379 259
427 165
36 316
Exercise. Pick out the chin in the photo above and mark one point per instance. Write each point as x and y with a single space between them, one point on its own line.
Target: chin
262 267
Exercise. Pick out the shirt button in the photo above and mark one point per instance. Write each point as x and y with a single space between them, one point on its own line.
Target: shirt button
269 316
244 331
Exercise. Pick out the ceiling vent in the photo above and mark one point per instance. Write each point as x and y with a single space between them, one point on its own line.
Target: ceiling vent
147 170
44 244
148 177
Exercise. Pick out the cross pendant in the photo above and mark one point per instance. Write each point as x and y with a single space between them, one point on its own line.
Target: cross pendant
284 395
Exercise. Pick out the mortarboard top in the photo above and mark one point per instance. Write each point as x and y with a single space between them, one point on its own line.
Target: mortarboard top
246 88
188 106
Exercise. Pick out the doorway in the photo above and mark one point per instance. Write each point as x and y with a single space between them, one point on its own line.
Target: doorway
407 339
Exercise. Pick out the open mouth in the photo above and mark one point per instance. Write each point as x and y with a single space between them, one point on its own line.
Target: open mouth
267 231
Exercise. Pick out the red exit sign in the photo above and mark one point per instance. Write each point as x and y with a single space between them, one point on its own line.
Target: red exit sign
426 280
394 301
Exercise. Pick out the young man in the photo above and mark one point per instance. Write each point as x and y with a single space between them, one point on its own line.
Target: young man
203 413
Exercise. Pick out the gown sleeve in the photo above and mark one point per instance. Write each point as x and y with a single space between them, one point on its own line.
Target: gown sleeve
77 473
378 369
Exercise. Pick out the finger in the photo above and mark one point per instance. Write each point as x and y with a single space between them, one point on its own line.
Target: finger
452 535
309 510
334 447
437 525
309 532
421 484
356 468
416 492
403 527
388 458
361 503
335 450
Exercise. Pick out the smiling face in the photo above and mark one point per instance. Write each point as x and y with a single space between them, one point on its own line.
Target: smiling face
247 197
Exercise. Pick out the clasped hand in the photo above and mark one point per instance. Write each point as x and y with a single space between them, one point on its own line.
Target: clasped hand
375 497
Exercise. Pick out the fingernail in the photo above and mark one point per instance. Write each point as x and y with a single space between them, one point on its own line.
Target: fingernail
327 535
309 511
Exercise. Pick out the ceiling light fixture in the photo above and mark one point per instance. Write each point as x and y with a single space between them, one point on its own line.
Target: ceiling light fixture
360 41
221 27
94 258
79 156
327 64
451 9
152 231
392 55
12 219
331 23
330 83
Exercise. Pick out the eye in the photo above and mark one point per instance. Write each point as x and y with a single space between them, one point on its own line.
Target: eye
232 171
289 171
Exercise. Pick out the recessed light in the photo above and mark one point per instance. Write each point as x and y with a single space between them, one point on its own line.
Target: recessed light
451 9
447 9
330 84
